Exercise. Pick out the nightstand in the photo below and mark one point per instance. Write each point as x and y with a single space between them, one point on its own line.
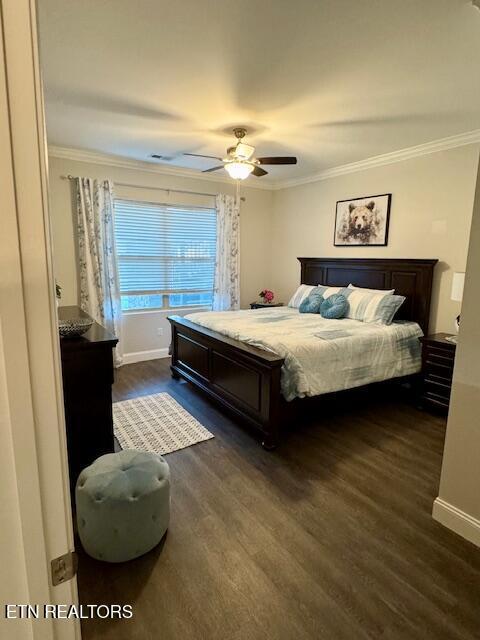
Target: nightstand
438 357
261 305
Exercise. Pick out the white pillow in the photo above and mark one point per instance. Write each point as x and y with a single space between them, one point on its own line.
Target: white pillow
384 291
379 308
300 294
329 291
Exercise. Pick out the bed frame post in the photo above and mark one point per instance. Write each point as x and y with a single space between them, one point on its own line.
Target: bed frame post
173 352
271 428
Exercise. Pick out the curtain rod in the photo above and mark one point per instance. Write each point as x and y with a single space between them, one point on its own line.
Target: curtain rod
141 186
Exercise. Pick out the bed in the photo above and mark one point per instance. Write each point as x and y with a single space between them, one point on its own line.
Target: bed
254 362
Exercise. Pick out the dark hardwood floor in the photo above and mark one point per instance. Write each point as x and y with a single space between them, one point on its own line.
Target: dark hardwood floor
328 537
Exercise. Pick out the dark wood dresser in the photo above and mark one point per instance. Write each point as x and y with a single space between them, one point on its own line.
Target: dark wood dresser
87 372
438 358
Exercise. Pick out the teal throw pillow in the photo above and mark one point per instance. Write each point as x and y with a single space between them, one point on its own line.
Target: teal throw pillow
334 307
313 302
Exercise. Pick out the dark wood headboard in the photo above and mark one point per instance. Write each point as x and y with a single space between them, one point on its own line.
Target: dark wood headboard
410 278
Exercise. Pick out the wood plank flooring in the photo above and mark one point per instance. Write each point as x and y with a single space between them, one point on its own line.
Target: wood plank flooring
328 537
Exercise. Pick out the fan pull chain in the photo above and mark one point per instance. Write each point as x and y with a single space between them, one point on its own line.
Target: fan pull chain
237 193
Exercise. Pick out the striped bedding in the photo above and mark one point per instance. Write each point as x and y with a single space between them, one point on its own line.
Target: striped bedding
322 356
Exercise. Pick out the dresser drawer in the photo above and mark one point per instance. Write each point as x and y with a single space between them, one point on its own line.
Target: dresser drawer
438 359
444 371
442 356
440 351
435 387
432 376
436 401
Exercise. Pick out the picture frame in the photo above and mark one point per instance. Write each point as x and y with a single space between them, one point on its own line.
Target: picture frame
362 222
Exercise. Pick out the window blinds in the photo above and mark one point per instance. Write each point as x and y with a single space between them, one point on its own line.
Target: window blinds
164 249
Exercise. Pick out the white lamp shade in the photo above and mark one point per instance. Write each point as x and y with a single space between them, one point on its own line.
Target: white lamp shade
239 170
458 281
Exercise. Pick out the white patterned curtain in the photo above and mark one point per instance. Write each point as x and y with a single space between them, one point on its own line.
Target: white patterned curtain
226 288
99 288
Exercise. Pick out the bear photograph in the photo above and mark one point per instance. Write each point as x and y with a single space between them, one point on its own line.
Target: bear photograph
362 221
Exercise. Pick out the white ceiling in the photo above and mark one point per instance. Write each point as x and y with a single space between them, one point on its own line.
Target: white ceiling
330 81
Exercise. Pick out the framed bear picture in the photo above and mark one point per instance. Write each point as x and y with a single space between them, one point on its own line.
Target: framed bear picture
362 221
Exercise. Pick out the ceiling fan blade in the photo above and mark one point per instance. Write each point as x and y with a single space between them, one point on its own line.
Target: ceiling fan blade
199 155
259 172
278 160
213 169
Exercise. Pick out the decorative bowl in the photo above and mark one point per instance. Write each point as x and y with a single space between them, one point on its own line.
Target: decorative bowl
74 327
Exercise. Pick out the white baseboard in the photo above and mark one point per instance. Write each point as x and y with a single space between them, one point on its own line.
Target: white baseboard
140 356
457 520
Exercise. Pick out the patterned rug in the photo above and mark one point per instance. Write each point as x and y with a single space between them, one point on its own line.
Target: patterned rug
156 423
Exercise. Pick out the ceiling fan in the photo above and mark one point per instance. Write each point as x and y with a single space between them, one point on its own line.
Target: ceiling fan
240 161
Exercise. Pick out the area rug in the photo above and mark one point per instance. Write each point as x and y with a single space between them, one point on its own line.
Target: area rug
156 423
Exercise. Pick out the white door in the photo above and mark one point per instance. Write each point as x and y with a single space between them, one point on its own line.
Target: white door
35 515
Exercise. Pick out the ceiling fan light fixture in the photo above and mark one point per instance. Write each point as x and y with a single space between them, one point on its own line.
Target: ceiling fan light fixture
244 151
239 170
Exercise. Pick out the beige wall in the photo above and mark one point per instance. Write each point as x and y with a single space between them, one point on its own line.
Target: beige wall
141 329
430 218
458 505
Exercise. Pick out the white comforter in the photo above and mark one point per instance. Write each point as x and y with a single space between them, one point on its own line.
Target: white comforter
321 355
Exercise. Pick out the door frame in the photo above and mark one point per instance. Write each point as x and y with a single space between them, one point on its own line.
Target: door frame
31 399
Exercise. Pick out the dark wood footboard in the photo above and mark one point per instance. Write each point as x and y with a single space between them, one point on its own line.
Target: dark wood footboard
242 378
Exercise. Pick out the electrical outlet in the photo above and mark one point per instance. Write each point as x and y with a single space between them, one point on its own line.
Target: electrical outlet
160 331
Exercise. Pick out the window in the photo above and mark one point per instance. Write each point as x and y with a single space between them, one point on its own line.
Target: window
165 254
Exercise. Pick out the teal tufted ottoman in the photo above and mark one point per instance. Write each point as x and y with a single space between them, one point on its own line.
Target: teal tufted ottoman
123 505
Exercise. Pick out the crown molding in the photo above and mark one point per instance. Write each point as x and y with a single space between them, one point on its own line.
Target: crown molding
95 157
443 144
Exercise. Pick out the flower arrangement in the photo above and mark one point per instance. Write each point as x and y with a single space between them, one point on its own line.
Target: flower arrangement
267 296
